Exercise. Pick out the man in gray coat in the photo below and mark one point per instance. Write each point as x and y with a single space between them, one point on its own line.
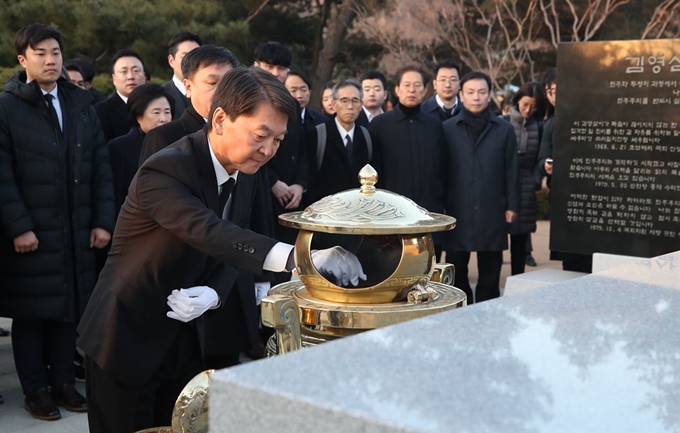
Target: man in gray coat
482 187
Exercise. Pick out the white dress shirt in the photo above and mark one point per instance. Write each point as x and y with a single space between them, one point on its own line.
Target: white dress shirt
124 98
179 84
443 105
369 115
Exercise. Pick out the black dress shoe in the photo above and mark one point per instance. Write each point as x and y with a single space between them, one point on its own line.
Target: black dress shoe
530 261
68 397
40 405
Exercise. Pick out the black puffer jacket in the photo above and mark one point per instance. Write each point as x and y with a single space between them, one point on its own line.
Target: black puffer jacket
60 191
528 132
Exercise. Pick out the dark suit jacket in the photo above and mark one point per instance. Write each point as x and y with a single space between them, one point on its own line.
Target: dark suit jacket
113 116
158 138
338 170
169 236
433 109
289 165
313 118
181 101
362 119
124 154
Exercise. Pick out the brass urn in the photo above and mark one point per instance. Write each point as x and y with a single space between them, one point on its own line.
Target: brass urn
393 243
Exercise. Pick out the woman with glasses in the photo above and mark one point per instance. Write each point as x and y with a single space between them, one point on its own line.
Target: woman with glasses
526 117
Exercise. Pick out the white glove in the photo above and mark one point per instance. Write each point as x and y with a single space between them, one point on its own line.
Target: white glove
188 304
261 290
339 263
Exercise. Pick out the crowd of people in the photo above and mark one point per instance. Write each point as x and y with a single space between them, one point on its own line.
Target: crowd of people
144 225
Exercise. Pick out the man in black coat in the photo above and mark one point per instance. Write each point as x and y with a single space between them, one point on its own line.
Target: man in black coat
444 104
127 73
288 171
411 147
174 258
482 187
202 68
299 85
56 208
374 85
178 47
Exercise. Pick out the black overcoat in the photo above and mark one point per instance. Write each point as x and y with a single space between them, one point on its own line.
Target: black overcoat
60 191
482 183
113 117
412 157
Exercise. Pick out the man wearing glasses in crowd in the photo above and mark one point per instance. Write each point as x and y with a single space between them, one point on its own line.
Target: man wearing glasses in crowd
443 105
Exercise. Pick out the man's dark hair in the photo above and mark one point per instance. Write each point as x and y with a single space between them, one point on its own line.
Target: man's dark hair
348 83
549 78
304 77
142 96
204 56
82 65
182 37
411 68
374 75
475 76
242 90
534 90
274 54
446 64
126 52
33 34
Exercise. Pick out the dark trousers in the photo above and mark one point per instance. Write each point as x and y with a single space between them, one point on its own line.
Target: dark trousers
118 407
518 253
39 344
489 268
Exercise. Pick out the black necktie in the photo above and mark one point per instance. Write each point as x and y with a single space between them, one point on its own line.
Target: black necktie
349 147
227 187
52 109
448 112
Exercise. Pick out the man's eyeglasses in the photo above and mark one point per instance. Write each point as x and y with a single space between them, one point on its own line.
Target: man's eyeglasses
447 80
347 101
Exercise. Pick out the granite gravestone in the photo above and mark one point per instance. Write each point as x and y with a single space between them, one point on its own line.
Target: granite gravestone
616 180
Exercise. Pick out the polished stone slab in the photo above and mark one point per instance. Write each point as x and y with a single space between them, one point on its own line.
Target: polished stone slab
599 353
534 279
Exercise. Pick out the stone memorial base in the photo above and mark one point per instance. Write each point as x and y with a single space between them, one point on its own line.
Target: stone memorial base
595 353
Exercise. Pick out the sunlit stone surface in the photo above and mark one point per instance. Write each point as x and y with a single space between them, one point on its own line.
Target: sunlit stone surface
598 353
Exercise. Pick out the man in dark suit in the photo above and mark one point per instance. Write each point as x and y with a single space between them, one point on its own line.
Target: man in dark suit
288 171
85 69
127 73
178 47
411 144
202 68
299 85
374 85
174 257
443 105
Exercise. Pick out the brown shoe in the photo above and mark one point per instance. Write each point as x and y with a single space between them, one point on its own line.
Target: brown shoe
40 405
69 398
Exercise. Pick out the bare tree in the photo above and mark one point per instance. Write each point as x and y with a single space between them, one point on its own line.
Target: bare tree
576 21
664 22
494 36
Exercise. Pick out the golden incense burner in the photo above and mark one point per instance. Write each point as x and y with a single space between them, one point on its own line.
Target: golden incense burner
396 251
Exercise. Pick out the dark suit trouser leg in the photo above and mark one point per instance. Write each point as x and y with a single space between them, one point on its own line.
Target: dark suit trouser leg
39 343
518 253
460 260
117 407
489 265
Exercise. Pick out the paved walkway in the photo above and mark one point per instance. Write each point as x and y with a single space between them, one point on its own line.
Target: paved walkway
14 418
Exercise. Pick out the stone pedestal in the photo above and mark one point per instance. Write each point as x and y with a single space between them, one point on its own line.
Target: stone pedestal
596 353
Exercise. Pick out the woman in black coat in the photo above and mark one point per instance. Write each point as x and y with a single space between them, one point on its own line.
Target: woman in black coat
150 105
526 117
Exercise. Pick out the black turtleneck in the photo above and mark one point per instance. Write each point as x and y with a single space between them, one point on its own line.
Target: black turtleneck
475 122
409 112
